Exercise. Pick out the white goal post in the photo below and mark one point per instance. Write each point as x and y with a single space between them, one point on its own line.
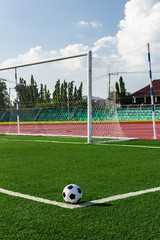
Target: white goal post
70 109
89 80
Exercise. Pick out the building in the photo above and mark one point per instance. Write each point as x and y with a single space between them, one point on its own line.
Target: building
143 96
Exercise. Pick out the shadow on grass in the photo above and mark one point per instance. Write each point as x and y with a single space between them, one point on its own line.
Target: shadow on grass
91 204
102 205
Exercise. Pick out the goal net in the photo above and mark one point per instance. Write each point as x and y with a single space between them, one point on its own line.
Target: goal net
66 96
133 93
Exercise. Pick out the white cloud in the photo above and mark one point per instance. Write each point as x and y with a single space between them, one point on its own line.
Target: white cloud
83 23
140 26
33 55
93 24
73 49
104 42
96 24
36 54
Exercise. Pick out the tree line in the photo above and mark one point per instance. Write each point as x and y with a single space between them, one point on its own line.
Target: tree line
4 96
65 94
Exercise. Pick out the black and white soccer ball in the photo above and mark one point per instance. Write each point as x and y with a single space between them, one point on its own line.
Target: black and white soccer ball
72 193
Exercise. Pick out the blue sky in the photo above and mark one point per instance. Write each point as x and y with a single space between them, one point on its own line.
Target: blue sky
114 27
32 30
53 24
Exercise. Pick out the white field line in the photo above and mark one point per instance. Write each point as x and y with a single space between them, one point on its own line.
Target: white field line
85 204
37 199
43 141
80 143
133 146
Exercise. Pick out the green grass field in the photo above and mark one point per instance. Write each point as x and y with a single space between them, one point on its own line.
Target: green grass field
43 166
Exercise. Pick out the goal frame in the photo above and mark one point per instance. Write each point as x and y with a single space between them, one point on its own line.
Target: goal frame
89 85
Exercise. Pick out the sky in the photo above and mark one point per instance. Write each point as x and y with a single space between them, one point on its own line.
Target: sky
34 30
54 25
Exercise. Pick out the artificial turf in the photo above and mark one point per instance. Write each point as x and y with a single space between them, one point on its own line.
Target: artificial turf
43 169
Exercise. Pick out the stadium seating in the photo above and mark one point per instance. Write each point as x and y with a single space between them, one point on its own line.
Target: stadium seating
137 114
75 114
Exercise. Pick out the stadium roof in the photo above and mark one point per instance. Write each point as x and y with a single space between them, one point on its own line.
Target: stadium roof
146 90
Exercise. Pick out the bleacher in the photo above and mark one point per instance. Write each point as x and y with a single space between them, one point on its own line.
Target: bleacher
9 115
2 111
80 115
28 115
137 114
75 114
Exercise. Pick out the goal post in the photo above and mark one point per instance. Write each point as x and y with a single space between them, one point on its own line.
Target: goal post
60 97
89 81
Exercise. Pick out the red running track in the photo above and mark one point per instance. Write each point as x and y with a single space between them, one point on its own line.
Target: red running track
142 130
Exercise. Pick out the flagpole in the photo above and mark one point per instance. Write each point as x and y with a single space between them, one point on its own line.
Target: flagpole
151 91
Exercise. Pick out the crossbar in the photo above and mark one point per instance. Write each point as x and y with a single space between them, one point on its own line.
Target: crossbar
44 61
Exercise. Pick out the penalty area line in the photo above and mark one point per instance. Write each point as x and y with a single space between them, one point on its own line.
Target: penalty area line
85 204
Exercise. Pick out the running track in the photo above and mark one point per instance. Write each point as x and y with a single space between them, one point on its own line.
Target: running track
142 130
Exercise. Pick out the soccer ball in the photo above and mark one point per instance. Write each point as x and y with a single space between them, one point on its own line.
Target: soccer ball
72 193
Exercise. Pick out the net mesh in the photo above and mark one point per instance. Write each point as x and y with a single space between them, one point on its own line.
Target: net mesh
104 111
52 97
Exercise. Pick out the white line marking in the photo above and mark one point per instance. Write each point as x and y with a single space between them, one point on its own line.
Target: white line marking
81 143
126 195
85 204
37 199
45 141
134 146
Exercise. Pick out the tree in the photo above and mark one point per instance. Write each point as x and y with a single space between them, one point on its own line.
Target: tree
46 95
120 91
56 94
75 94
33 92
117 92
22 93
122 87
70 93
66 94
41 94
63 94
4 96
79 92
28 94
